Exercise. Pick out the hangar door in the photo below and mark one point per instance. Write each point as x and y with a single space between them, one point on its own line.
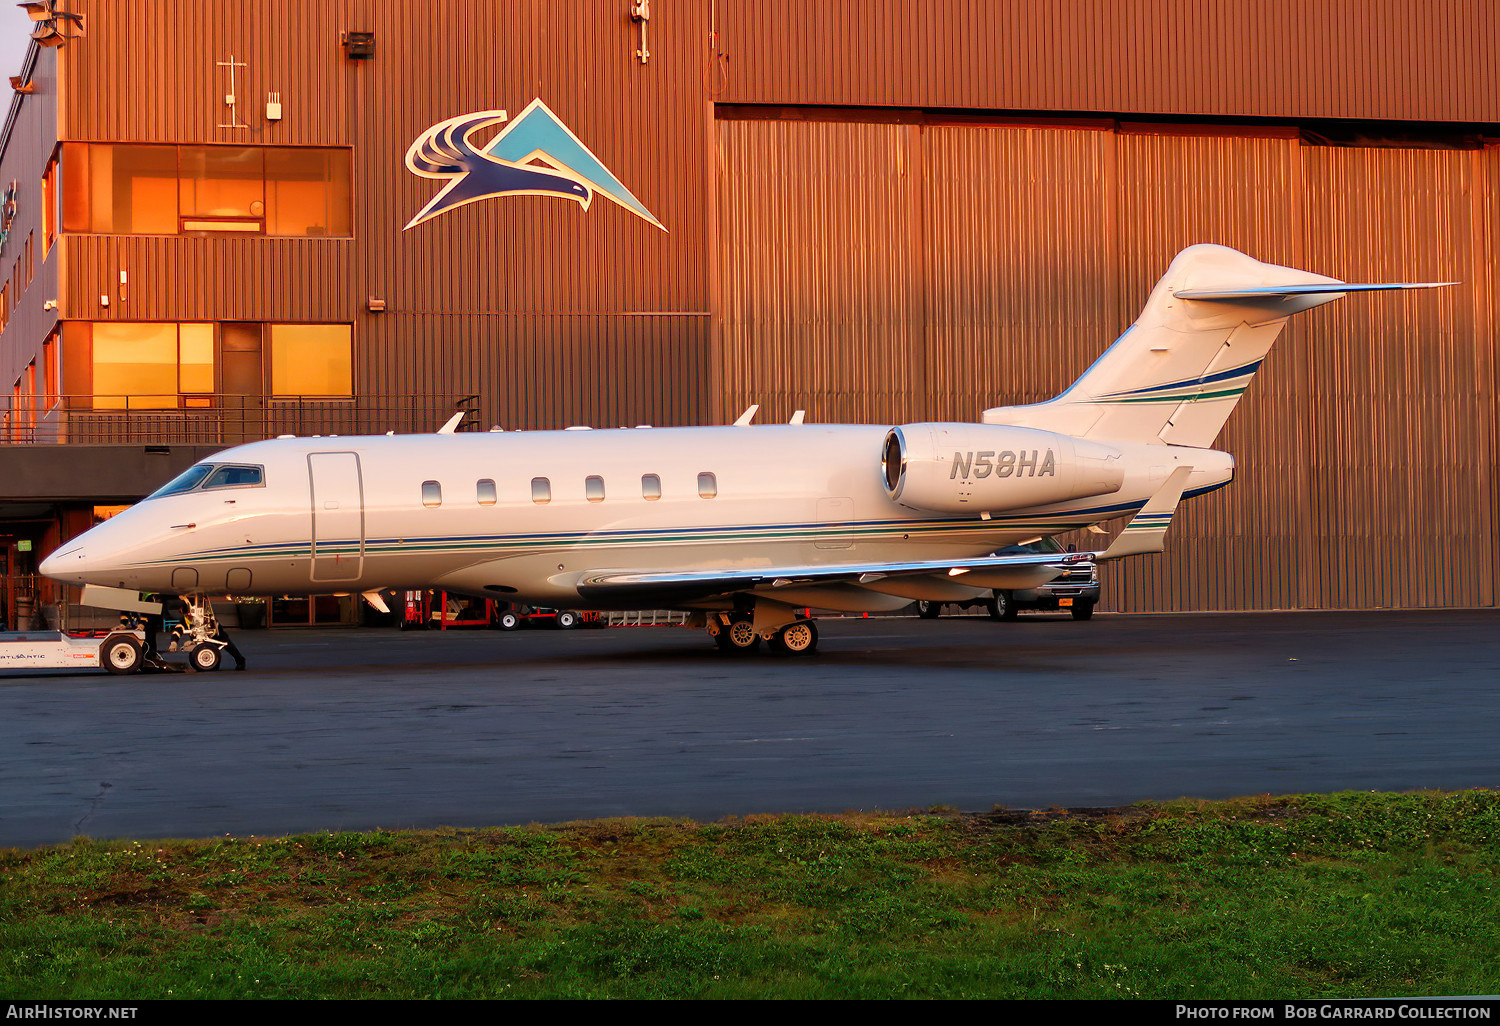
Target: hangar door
338 516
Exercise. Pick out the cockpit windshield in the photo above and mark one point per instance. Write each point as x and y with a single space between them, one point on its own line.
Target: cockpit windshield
206 476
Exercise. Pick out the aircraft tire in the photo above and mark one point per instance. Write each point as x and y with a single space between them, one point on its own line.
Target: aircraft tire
799 638
204 658
1083 611
929 610
739 636
120 655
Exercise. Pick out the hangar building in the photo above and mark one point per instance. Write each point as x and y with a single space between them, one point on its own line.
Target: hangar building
871 210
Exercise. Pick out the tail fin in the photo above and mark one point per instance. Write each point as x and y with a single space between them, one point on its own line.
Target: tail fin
1178 371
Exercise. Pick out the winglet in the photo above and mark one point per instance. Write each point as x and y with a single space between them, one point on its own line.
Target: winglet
1148 528
748 416
453 423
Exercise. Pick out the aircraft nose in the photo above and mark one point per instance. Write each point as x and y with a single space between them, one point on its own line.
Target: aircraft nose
65 564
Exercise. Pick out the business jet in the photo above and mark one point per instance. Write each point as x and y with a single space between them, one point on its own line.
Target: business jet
744 526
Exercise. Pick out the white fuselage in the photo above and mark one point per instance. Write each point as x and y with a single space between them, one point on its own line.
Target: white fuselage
350 514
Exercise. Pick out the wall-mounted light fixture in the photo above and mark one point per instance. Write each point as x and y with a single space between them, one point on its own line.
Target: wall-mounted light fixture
358 46
53 27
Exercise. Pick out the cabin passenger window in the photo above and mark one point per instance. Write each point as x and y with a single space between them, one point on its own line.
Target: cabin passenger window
708 486
432 493
486 490
650 487
593 488
541 490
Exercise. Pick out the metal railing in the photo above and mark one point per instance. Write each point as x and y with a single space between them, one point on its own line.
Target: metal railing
645 618
217 419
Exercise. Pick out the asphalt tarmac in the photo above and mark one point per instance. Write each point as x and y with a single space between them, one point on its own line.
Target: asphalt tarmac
356 729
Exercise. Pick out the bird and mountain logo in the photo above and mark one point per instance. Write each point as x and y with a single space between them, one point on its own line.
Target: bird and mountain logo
533 155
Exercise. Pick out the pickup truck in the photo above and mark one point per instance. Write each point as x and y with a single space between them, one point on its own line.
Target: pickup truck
1077 590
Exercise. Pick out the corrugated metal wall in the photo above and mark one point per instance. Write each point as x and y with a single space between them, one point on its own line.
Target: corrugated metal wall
889 272
1434 60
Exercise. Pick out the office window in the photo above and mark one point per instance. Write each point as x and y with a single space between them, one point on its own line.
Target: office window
650 487
312 359
307 192
486 492
50 376
708 486
170 190
432 493
221 189
541 490
49 206
593 488
135 366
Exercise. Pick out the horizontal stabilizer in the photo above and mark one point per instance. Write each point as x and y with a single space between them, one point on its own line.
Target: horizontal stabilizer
1147 530
1177 373
1286 291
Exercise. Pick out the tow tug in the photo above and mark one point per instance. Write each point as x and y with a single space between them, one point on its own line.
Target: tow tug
123 650
129 647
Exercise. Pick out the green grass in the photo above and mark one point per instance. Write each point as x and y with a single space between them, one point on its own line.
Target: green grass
1344 895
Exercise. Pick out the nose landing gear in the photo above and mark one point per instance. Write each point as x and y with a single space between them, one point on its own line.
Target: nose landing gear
200 635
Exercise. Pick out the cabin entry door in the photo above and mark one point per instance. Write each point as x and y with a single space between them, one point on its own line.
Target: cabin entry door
338 516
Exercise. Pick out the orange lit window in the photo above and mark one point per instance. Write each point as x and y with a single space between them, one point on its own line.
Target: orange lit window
49 206
307 192
148 366
168 190
222 188
49 368
312 359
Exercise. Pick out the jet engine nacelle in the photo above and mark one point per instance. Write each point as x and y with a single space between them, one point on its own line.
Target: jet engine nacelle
971 468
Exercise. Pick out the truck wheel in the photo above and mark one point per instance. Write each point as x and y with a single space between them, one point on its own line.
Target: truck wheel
929 610
1083 610
204 658
120 655
567 620
1003 607
508 620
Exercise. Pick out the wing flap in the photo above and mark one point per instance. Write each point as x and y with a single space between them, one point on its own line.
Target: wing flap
771 581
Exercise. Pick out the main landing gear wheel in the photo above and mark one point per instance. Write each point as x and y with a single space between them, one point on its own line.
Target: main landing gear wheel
204 658
799 638
929 610
738 636
120 655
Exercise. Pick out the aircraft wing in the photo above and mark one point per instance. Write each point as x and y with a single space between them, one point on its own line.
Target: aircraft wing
688 584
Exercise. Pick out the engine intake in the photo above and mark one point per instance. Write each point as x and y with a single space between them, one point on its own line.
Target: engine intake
971 468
